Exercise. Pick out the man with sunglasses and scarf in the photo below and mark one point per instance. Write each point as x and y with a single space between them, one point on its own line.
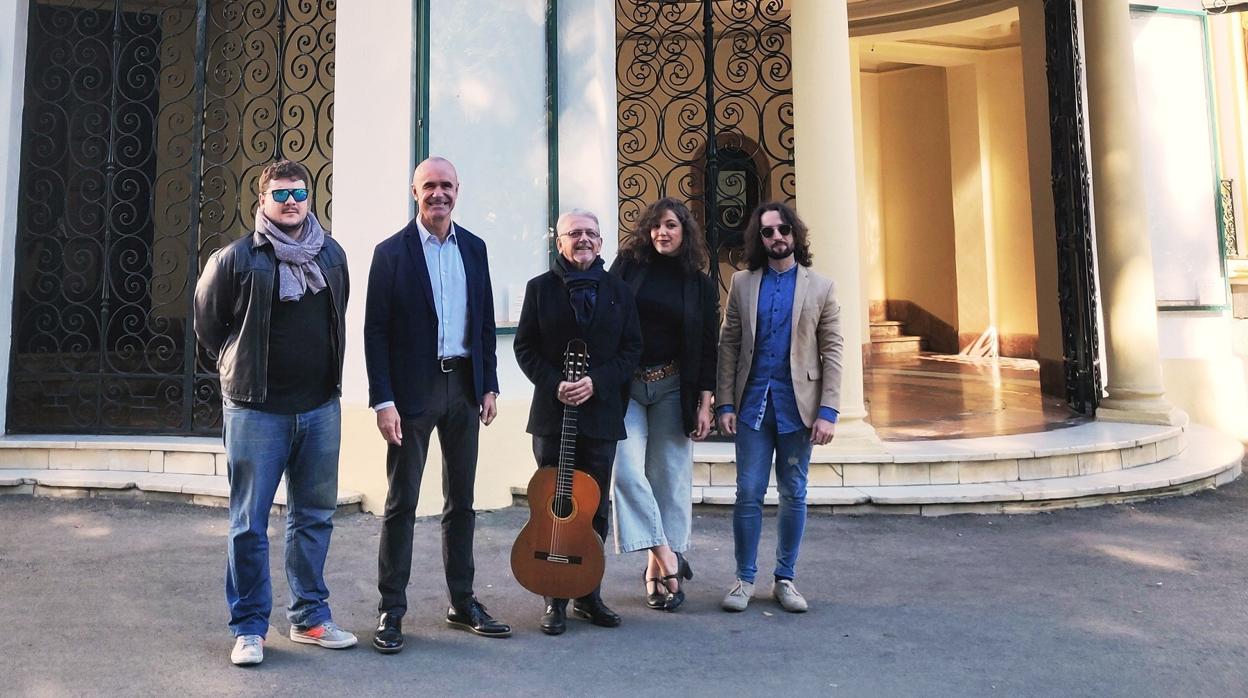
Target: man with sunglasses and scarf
271 308
779 390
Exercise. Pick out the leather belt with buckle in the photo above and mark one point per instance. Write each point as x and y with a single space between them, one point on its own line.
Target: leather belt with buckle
650 374
452 363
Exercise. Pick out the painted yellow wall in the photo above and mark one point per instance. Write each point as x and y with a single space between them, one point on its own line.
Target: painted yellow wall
1039 177
972 202
1002 87
916 192
870 212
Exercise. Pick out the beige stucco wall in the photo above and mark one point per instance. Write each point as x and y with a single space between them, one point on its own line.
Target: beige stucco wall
1007 164
916 191
1040 183
969 146
870 208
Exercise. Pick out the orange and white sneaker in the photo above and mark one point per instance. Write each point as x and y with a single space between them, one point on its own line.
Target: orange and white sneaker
327 634
248 649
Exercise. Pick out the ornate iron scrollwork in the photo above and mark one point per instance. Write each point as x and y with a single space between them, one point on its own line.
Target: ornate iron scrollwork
1076 272
1226 207
705 112
145 127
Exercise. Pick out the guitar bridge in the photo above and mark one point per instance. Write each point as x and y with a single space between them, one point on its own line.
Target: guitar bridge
557 558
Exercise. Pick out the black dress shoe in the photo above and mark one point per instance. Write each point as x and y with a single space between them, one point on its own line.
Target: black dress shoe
473 618
554 621
592 609
389 636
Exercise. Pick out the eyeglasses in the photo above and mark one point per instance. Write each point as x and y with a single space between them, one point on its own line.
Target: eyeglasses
583 232
770 231
280 195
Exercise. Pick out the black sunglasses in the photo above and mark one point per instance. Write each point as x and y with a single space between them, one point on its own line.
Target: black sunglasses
770 231
280 195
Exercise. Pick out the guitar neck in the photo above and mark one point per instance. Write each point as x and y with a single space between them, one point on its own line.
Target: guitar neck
567 452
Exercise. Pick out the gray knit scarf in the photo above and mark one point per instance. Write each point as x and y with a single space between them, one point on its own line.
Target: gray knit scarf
297 272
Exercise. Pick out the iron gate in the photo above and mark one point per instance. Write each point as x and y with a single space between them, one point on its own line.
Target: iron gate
145 127
705 112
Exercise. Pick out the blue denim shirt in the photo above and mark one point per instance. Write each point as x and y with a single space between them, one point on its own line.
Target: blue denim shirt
771 375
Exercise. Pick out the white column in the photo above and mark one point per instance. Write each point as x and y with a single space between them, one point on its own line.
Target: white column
1124 252
13 24
827 186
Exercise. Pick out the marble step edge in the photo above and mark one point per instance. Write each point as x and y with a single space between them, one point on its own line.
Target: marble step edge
1090 437
208 486
105 442
1211 462
895 339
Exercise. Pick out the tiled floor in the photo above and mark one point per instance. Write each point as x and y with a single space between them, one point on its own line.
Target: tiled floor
927 397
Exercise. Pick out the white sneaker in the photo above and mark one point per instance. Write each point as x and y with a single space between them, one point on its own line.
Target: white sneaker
738 597
789 597
327 634
248 649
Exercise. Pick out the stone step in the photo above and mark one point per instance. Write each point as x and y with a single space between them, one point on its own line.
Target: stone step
886 328
893 346
207 490
1084 449
1211 459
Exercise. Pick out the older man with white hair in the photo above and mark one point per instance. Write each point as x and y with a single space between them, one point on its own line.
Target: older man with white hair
577 299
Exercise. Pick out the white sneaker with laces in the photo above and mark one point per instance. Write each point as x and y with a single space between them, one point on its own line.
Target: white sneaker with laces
789 597
738 597
248 649
327 634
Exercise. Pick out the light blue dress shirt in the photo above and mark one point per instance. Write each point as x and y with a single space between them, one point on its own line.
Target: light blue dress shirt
450 291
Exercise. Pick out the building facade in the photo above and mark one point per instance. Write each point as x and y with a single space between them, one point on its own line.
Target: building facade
1049 180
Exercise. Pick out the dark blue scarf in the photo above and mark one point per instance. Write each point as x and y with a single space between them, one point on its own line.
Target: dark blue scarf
582 288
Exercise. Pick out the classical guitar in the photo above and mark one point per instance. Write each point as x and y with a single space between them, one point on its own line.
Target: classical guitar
558 553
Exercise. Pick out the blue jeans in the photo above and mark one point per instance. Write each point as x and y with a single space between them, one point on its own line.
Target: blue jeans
755 449
260 447
653 470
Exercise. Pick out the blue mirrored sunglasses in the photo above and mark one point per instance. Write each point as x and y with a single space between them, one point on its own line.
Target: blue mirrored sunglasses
280 195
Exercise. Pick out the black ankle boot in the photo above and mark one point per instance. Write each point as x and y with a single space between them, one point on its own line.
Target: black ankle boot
554 621
592 609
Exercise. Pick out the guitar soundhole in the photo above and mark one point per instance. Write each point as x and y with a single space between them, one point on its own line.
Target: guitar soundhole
561 506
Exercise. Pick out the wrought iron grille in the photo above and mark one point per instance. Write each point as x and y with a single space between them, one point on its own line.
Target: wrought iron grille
145 127
1076 283
705 112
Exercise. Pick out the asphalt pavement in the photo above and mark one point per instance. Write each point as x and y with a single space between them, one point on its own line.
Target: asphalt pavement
126 598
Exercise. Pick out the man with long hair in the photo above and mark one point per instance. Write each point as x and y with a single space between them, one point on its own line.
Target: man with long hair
778 389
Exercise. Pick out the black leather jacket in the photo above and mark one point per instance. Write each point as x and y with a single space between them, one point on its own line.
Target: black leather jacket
233 303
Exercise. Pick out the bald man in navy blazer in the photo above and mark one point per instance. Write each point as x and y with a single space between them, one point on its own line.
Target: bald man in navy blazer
429 345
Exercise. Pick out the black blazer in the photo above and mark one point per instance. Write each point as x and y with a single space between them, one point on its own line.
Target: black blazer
401 321
700 351
614 342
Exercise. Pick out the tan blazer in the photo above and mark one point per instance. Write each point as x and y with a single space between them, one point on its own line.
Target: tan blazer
815 347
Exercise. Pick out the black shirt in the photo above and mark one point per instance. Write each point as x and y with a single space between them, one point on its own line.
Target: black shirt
301 355
660 307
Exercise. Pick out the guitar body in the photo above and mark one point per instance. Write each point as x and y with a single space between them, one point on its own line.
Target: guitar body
559 556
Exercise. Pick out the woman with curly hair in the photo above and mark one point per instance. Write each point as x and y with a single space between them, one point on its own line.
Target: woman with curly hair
663 259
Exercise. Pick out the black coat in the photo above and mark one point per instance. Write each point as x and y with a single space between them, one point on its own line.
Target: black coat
234 302
699 352
614 343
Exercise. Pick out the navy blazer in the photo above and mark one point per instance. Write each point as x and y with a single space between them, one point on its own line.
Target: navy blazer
614 344
401 321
